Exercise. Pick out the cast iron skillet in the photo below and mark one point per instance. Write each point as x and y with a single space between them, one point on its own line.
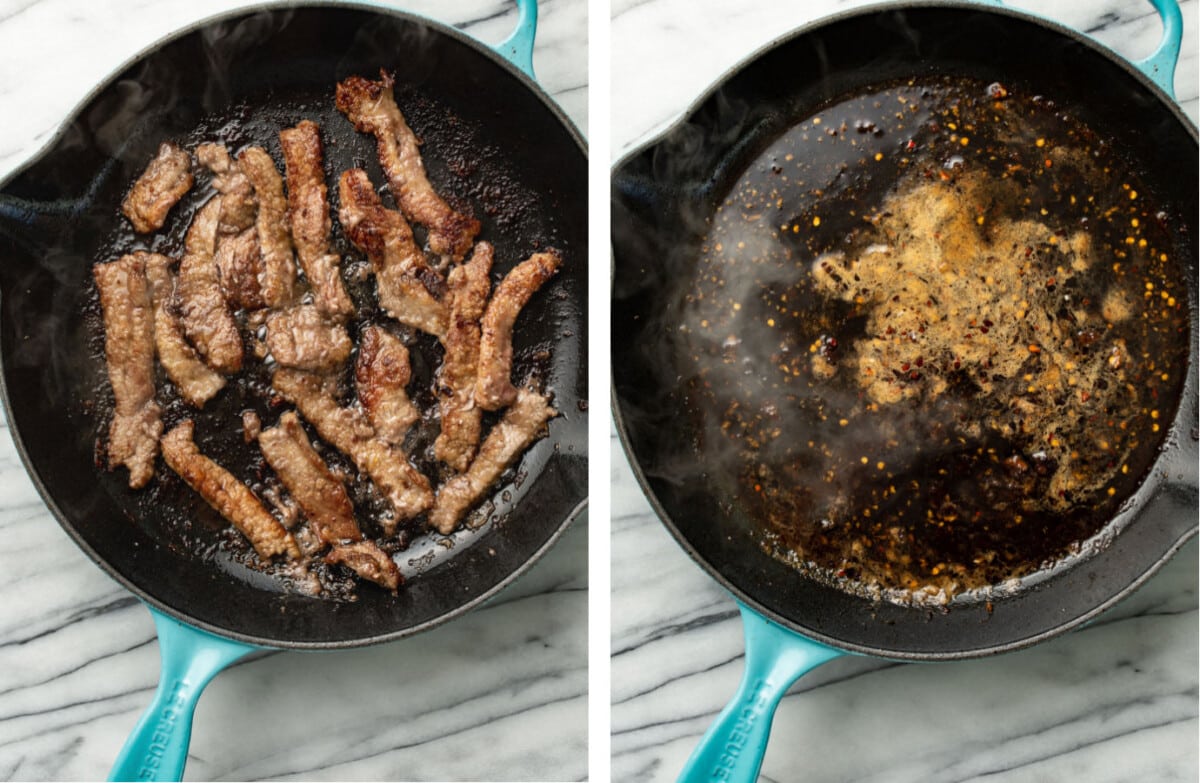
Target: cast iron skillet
491 136
662 195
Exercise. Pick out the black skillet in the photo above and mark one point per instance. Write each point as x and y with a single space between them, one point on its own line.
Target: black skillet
492 139
662 196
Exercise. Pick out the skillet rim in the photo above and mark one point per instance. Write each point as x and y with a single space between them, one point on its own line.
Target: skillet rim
52 141
1187 404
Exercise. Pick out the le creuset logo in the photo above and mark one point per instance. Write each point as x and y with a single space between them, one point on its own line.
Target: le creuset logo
747 717
163 730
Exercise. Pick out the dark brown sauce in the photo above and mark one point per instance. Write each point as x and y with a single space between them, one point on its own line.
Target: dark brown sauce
943 331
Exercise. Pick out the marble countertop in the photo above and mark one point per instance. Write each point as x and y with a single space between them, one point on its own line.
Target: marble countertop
499 694
1115 701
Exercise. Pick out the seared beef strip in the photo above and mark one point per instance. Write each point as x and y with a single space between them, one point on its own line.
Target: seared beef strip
239 206
381 372
494 389
129 351
469 285
321 496
308 210
231 498
159 188
240 268
367 560
203 311
385 236
277 272
238 259
196 382
372 108
300 337
521 425
348 430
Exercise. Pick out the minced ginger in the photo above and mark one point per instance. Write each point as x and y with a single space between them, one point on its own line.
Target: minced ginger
955 295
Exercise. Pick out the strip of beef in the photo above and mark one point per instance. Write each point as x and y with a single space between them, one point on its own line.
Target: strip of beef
371 106
308 210
400 266
196 382
321 496
129 351
367 560
240 268
206 318
277 273
469 285
348 430
238 258
494 389
301 337
239 206
521 425
231 498
159 188
381 372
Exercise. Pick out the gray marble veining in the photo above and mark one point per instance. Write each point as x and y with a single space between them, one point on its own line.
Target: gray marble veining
499 694
1115 701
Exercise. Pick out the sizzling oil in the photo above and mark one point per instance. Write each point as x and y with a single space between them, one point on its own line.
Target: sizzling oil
470 169
942 328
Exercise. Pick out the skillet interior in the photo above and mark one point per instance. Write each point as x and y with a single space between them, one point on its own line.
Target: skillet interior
501 147
662 196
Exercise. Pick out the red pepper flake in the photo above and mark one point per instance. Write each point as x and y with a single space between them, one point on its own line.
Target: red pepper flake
910 146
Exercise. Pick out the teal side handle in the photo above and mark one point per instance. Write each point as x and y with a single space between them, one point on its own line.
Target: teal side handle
732 749
1160 66
157 748
517 48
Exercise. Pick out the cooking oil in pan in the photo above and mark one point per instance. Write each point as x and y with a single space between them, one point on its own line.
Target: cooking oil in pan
941 334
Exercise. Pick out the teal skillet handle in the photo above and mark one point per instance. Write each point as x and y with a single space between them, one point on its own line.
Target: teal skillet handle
732 749
517 48
1160 66
157 748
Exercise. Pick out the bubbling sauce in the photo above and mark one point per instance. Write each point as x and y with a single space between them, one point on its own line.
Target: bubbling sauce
942 327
